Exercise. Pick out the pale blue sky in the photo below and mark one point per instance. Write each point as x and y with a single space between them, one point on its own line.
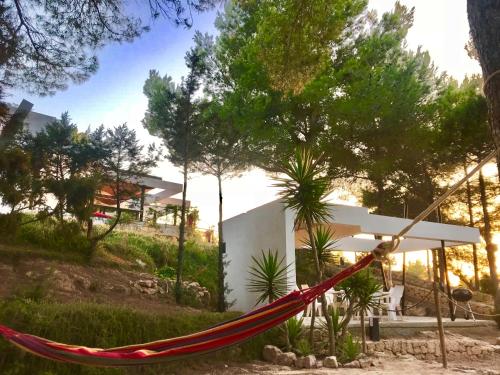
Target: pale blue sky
114 94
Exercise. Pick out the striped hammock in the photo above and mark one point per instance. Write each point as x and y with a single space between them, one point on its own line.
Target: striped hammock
215 338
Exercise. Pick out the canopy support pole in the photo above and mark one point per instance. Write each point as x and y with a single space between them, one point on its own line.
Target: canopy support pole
442 341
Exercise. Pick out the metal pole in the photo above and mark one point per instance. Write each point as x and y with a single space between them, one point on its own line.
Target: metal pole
442 341
445 269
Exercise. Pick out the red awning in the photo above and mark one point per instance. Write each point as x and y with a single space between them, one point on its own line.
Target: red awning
101 215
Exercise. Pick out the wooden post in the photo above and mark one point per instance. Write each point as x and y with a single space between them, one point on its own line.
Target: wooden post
445 269
429 278
143 193
442 341
403 298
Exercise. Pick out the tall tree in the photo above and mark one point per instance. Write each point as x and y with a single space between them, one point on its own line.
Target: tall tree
484 28
46 44
222 155
171 115
464 130
123 163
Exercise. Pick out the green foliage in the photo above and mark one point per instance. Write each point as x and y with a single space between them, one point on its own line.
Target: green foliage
324 243
97 325
349 349
47 45
268 277
417 268
54 235
360 289
305 187
295 330
336 319
166 272
125 218
303 347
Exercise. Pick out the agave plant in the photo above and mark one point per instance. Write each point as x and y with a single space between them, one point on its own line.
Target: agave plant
268 277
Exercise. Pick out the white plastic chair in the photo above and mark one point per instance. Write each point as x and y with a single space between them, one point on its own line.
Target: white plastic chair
392 303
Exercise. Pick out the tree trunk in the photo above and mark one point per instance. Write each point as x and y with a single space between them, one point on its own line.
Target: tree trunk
471 223
319 271
311 326
488 238
221 296
484 16
363 332
182 231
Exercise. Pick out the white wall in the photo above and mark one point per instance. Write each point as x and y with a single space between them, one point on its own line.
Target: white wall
266 227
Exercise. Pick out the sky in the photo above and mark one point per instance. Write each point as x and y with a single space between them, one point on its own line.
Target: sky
114 94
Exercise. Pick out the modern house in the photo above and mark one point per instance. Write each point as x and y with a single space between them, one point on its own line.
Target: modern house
149 191
271 226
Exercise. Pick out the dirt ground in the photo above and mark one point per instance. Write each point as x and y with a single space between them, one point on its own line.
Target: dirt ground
390 366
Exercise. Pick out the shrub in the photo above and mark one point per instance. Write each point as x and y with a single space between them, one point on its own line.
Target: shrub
104 326
53 235
303 347
294 330
349 349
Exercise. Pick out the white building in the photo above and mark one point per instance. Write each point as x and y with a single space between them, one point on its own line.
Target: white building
271 226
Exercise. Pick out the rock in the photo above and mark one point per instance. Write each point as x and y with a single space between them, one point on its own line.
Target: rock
366 362
63 282
353 364
146 283
140 263
496 348
82 282
286 359
331 362
270 353
498 341
309 361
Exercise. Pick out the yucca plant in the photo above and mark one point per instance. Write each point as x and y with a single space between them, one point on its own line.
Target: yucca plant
324 243
304 187
268 277
360 290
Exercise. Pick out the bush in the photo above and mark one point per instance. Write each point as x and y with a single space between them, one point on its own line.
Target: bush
349 349
103 326
53 235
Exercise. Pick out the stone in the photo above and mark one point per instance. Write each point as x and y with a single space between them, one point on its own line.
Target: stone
146 283
331 362
498 341
270 353
309 361
496 348
82 282
366 362
63 282
286 359
353 364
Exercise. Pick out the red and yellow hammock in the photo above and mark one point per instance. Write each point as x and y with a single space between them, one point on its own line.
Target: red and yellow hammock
215 338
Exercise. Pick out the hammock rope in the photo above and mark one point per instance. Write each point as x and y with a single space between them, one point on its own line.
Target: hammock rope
224 334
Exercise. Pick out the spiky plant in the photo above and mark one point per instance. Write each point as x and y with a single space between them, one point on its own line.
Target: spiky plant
360 290
324 243
268 277
303 188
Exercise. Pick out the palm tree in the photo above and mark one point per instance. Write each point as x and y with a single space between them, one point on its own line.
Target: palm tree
323 242
304 189
359 291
